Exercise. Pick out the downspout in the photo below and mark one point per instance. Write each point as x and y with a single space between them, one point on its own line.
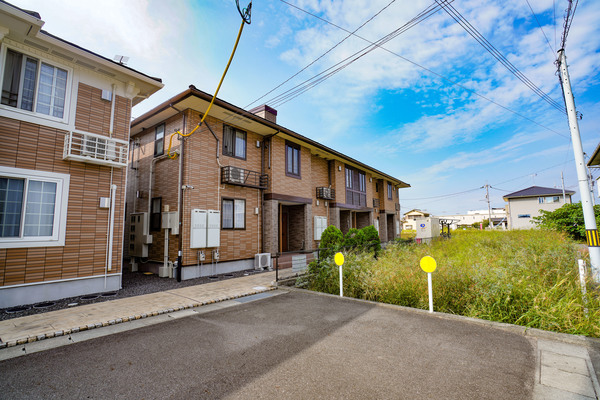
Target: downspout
113 190
180 198
267 144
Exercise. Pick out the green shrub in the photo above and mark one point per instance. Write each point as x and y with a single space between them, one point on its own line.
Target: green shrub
371 239
568 219
332 240
354 240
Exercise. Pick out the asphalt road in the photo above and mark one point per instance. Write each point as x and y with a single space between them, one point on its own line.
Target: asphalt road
292 345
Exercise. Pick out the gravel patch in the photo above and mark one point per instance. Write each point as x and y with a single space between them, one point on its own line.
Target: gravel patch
134 284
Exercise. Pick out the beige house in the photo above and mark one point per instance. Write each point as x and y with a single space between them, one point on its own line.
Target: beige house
241 189
525 204
410 218
64 131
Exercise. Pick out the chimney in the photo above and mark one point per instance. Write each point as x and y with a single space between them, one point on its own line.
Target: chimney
266 112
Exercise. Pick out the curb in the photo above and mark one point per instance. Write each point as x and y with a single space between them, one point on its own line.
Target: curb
49 335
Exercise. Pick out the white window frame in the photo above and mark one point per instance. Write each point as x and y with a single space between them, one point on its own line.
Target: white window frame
60 209
67 105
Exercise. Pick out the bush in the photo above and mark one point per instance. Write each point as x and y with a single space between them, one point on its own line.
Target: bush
567 219
332 240
371 238
354 240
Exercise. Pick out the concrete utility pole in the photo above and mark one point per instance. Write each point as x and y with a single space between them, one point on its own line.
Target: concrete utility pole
487 197
591 231
562 179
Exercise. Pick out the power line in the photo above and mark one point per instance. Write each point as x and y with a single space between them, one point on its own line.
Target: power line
569 15
541 29
322 55
431 72
329 72
475 34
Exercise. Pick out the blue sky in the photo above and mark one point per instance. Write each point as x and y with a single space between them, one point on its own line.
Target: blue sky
382 109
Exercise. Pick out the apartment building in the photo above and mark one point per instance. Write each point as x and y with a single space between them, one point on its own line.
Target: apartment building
64 131
523 205
244 185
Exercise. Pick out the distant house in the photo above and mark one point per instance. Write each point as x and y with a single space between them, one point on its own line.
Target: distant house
525 204
476 217
411 216
64 132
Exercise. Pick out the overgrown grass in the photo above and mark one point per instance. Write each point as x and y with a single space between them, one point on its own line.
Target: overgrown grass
528 278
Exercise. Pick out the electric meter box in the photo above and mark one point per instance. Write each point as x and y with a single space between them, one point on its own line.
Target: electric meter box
206 229
427 228
170 220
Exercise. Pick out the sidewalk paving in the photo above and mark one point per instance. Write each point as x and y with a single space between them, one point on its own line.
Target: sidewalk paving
563 368
36 327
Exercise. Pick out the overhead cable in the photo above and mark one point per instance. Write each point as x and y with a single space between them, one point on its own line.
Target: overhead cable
433 73
475 34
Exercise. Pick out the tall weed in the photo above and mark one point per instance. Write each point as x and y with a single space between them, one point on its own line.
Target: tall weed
527 277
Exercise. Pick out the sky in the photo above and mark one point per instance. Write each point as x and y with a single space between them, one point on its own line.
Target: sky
430 106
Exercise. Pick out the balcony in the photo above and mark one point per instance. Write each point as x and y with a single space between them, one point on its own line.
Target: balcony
95 149
375 203
243 177
325 193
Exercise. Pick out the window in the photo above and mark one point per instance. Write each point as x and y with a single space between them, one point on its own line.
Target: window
234 142
155 215
549 199
292 159
33 85
33 208
234 214
390 191
159 140
356 187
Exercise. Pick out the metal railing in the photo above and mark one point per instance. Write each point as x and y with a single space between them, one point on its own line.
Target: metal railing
244 177
95 149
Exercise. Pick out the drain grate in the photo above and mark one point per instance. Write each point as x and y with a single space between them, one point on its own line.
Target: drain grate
44 305
13 310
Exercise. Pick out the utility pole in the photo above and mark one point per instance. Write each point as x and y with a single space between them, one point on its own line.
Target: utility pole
591 230
562 179
487 197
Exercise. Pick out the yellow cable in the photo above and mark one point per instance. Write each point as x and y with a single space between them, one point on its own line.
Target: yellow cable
174 156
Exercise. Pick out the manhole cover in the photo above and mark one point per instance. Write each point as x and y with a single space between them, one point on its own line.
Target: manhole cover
17 309
89 297
44 305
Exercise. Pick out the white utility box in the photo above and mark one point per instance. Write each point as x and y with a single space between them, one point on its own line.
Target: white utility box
139 237
427 228
170 220
213 233
198 229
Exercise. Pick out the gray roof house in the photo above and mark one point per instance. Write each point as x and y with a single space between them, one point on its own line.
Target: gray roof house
525 204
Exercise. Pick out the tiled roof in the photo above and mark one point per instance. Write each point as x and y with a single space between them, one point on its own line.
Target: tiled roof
535 191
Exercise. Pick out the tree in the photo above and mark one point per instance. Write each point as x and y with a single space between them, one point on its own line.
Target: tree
568 219
331 241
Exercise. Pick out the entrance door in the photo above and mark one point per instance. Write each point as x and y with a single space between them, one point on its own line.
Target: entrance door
285 227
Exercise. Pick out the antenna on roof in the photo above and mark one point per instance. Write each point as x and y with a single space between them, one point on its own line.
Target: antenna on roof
121 59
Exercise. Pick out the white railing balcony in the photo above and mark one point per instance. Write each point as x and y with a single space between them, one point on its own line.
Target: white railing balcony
95 149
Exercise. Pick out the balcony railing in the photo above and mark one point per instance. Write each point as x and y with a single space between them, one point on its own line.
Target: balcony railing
243 177
325 193
95 149
375 203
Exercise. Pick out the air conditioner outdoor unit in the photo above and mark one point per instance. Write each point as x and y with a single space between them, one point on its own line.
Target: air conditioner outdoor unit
98 148
262 261
236 175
